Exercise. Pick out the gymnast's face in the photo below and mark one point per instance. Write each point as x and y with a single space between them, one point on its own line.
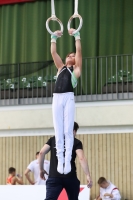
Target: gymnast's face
104 184
70 59
14 173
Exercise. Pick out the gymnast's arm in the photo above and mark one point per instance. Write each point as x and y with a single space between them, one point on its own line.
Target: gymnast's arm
43 152
16 179
98 198
78 59
57 60
78 55
19 180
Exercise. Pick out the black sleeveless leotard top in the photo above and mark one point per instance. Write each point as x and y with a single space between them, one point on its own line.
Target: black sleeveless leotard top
63 83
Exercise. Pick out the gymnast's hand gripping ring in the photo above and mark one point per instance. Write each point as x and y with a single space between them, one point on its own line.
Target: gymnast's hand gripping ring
75 15
53 18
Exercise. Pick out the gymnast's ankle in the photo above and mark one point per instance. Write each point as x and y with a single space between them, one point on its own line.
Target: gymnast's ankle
67 168
60 167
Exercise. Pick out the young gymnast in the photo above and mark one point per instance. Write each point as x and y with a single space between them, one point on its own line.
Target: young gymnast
63 106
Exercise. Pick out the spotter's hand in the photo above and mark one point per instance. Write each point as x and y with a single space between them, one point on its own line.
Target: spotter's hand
58 33
42 173
71 30
89 182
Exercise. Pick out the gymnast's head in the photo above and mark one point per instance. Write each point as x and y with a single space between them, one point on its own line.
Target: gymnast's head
70 59
102 182
12 171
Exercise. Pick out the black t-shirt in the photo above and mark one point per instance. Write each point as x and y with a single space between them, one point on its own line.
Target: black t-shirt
53 160
63 83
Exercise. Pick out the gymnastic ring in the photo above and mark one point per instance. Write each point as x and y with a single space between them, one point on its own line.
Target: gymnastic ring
70 20
53 19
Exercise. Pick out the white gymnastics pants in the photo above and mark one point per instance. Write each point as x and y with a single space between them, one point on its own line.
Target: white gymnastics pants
63 108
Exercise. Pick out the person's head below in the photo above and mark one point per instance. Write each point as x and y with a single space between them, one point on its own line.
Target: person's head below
102 182
37 154
75 128
70 59
12 171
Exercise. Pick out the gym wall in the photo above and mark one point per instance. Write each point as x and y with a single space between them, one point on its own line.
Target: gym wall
108 155
107 29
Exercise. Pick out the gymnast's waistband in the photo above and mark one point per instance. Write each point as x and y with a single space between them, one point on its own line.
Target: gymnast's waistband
64 94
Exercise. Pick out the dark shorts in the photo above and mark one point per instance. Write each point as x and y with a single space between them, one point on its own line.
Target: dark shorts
54 186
